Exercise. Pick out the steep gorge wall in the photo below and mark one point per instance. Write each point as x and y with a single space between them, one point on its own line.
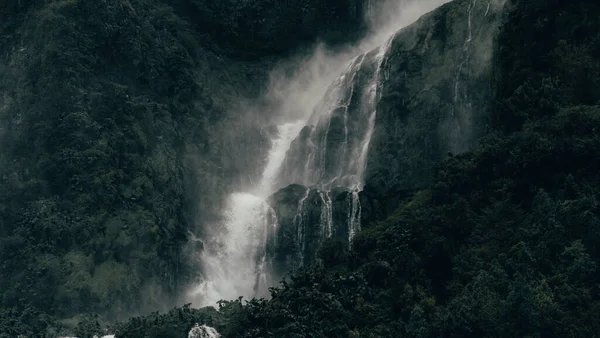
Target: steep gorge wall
436 96
428 89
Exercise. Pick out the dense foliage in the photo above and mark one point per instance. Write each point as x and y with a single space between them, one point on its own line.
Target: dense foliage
91 185
100 100
115 144
504 242
257 28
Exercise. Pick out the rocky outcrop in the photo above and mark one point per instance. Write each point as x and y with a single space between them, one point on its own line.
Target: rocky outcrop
305 218
383 125
330 151
400 109
435 95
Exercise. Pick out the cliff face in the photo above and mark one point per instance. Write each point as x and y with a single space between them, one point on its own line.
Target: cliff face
504 240
435 97
385 123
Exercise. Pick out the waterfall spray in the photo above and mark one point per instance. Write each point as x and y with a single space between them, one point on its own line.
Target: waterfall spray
234 259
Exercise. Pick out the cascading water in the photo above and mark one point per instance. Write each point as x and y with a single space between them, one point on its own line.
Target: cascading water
356 211
333 152
234 259
465 48
299 222
326 214
325 151
464 97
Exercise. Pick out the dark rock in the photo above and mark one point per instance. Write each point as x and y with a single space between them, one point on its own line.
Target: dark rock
305 219
435 96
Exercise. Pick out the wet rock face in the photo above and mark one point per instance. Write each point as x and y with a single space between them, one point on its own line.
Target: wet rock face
435 94
383 125
305 219
427 92
282 249
328 152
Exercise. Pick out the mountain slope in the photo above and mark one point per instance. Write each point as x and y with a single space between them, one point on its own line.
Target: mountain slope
504 240
115 127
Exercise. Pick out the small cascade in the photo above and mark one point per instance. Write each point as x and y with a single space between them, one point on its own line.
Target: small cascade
465 51
300 224
354 214
345 149
373 99
463 115
465 48
326 214
203 331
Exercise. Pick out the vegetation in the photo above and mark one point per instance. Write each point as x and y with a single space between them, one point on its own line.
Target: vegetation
114 141
504 242
91 185
251 29
99 101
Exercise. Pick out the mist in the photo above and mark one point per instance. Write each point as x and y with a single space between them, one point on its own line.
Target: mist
294 94
231 258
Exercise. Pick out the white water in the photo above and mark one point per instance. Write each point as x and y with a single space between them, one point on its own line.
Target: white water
374 96
203 331
466 48
233 261
287 132
326 214
301 225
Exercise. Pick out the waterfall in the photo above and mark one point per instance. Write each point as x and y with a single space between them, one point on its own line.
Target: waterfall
300 224
332 153
354 215
234 261
324 149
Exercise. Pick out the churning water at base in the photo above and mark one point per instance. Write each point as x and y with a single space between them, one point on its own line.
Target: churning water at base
203 331
231 262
